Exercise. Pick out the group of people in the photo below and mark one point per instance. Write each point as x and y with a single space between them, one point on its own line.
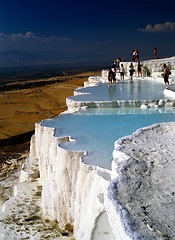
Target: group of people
135 54
132 70
112 73
120 67
117 67
116 63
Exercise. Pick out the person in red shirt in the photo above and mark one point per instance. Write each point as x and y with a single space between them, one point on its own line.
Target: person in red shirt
155 52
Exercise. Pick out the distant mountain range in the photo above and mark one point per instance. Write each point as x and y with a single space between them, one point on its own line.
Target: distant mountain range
18 59
24 58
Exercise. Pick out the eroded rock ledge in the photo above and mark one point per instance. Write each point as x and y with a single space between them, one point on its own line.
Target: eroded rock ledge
144 186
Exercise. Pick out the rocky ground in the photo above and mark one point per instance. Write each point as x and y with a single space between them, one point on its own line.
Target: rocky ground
21 216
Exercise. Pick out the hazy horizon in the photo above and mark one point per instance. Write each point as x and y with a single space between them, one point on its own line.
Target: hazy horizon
92 31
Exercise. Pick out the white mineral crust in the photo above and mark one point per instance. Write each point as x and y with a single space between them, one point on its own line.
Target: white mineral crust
73 192
135 200
144 188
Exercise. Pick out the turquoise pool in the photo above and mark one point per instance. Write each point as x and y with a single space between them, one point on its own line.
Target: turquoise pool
96 130
136 90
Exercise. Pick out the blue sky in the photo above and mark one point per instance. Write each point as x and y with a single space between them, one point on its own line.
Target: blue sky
58 31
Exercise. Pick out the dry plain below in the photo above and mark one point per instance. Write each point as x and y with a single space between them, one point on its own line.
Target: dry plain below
21 107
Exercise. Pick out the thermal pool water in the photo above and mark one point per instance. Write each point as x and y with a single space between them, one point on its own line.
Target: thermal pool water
138 89
96 130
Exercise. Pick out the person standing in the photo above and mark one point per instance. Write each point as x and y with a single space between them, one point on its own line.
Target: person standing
136 55
155 52
139 69
166 74
131 70
118 64
122 70
133 55
110 76
114 76
114 65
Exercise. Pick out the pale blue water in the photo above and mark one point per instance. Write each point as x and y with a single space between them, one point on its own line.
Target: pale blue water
96 130
137 90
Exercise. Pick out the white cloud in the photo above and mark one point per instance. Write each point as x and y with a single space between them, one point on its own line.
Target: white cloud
19 36
2 35
32 36
166 27
31 42
64 39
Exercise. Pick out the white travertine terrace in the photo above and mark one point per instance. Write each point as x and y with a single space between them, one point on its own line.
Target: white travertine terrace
75 106
135 200
143 188
152 70
72 191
